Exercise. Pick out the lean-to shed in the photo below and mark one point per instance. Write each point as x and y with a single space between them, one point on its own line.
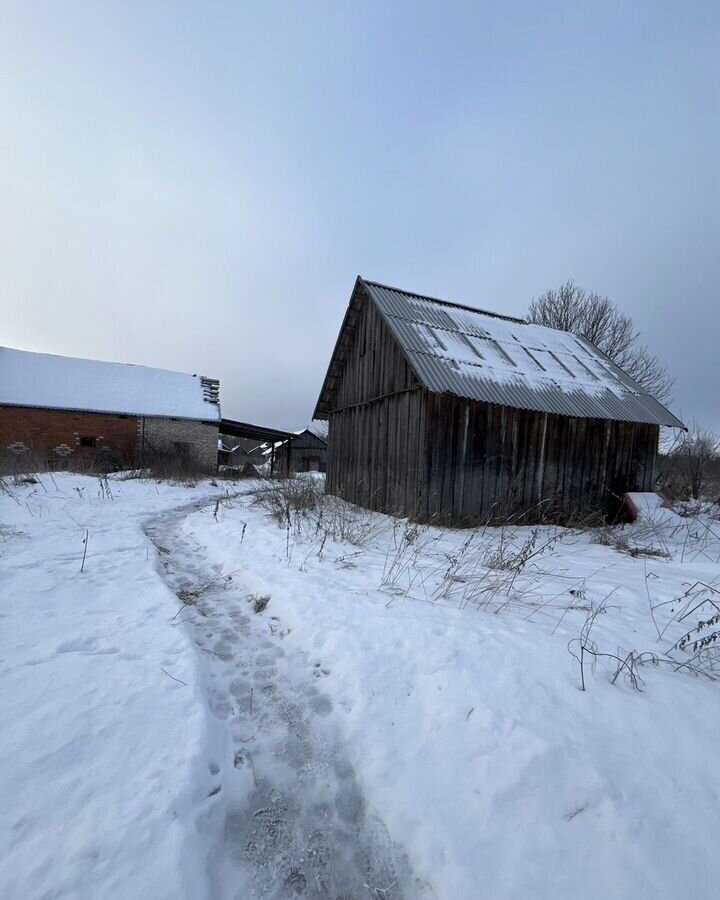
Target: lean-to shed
443 411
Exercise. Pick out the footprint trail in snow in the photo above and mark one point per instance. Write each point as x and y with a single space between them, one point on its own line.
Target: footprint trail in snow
283 810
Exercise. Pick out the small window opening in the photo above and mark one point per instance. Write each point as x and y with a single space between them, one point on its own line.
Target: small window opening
88 442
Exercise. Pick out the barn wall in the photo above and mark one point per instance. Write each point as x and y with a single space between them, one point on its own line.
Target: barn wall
375 454
484 460
376 431
41 436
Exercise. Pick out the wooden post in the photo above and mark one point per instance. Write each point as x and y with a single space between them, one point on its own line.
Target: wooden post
272 458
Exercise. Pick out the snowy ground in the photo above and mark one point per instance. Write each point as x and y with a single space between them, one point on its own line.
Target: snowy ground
346 706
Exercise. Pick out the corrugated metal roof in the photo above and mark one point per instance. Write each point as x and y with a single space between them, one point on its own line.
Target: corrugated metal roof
498 359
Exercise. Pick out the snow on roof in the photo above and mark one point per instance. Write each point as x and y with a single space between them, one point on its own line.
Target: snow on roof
319 429
498 359
316 428
63 382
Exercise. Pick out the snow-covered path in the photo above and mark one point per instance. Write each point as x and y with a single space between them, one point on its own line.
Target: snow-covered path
283 814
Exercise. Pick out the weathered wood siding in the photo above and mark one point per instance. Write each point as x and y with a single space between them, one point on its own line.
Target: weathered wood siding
306 449
377 431
484 460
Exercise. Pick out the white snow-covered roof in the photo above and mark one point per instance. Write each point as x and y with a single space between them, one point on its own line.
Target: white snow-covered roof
62 382
488 357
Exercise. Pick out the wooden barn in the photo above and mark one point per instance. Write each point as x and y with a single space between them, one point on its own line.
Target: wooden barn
308 450
445 412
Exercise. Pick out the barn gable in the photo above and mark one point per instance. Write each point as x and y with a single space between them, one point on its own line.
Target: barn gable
364 340
375 404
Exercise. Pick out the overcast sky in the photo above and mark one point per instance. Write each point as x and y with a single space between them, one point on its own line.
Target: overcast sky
195 186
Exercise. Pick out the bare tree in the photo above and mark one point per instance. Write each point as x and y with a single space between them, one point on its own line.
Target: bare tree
691 468
592 316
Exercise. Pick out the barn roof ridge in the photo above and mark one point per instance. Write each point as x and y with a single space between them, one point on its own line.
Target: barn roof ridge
441 302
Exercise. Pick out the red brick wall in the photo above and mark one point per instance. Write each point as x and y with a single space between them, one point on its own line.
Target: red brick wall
47 432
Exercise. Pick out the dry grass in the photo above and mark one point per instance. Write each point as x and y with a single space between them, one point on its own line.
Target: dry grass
300 506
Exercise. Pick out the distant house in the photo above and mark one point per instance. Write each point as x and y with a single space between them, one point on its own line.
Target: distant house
308 452
308 449
442 411
57 408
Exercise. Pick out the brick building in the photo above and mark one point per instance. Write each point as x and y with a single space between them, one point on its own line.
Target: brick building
56 409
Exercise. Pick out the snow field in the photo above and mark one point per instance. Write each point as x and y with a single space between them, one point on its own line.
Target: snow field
412 692
99 744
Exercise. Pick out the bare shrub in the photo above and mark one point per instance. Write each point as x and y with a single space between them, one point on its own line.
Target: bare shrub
701 642
701 602
343 521
608 536
510 511
301 507
507 556
15 465
176 469
486 568
172 468
611 536
30 462
233 473
407 542
104 489
691 467
626 664
289 501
